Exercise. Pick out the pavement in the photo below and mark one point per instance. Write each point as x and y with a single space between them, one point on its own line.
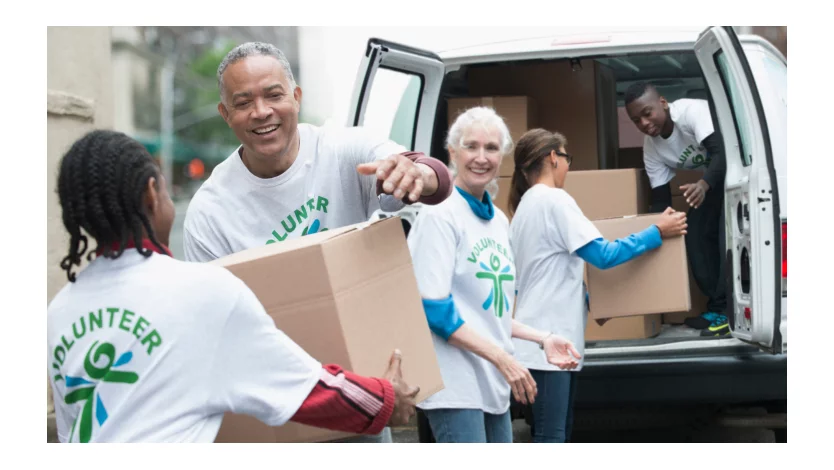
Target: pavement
406 434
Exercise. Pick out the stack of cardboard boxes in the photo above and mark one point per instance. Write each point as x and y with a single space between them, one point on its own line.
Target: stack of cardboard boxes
634 298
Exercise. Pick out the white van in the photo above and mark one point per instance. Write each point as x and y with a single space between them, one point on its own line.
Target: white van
744 78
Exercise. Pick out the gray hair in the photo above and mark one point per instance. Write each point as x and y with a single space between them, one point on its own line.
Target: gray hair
250 49
489 120
485 117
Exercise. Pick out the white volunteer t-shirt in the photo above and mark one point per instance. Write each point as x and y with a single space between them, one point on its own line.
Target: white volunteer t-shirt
547 229
156 350
683 149
454 251
235 210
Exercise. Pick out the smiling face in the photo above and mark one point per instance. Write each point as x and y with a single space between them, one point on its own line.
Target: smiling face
477 158
261 107
650 113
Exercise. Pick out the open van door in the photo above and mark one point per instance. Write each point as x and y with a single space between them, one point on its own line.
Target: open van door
751 204
396 93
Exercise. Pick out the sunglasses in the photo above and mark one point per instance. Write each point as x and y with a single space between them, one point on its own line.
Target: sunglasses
567 157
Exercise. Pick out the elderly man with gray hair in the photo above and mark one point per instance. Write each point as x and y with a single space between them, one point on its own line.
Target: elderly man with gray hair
287 179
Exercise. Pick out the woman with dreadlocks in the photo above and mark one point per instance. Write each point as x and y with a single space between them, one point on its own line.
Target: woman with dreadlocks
143 347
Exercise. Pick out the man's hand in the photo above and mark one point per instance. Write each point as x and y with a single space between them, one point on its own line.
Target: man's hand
561 353
401 177
404 396
695 193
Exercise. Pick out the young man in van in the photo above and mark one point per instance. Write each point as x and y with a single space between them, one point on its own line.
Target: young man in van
680 135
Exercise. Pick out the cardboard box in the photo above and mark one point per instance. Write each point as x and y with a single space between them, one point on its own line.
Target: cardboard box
679 204
578 101
602 194
629 135
684 177
347 296
645 326
656 282
698 305
519 113
502 200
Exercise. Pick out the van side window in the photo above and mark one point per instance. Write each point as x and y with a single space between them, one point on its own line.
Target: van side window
778 72
772 72
393 104
743 128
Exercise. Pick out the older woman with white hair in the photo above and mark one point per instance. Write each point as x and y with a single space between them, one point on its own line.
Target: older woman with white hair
466 276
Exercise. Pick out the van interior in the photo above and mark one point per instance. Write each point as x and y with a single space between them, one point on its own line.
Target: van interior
583 98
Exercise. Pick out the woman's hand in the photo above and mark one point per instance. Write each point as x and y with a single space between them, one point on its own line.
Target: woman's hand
672 224
519 378
561 353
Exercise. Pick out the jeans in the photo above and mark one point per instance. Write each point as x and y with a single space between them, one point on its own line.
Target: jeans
553 408
469 425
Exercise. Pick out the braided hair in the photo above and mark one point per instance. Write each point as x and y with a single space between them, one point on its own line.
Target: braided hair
101 187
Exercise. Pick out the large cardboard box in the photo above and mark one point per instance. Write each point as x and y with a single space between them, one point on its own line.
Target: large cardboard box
502 200
519 113
578 100
645 326
698 303
679 204
347 296
656 282
629 135
603 194
683 177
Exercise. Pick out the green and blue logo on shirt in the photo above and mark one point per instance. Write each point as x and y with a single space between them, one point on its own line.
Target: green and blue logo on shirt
102 364
84 388
698 160
495 273
297 217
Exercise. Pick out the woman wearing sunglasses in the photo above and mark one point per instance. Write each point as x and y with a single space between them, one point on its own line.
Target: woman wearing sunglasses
552 240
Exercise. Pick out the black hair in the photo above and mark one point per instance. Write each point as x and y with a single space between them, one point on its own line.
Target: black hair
637 90
101 187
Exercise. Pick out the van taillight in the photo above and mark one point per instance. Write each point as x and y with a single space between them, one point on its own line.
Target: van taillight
784 249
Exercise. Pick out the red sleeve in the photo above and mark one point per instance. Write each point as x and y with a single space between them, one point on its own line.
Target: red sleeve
344 401
444 178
